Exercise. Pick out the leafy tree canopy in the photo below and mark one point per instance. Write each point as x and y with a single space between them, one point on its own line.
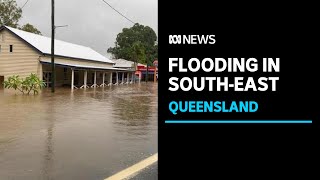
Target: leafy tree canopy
30 28
138 44
10 14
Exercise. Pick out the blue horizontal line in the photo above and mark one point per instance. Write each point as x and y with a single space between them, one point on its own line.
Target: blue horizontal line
238 121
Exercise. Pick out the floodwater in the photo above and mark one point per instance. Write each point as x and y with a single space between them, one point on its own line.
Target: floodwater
85 134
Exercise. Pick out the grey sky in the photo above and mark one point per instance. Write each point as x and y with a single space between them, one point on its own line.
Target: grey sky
90 22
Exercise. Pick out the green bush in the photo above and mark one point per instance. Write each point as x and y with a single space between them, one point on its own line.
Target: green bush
31 83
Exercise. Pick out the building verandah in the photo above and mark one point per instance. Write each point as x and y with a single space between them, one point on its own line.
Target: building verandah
86 77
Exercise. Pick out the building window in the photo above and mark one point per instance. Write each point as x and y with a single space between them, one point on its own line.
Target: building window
1 81
11 48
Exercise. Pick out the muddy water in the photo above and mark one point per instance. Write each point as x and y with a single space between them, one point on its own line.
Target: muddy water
87 134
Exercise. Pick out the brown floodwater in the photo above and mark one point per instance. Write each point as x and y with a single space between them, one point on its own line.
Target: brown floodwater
85 134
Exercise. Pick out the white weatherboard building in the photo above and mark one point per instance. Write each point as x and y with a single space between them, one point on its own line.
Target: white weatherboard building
122 63
23 53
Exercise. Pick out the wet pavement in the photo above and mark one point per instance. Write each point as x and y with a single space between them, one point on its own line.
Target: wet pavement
87 134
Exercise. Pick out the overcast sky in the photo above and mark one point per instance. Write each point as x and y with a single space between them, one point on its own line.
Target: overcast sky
90 23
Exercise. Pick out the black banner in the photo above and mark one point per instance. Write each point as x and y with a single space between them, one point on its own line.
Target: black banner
279 137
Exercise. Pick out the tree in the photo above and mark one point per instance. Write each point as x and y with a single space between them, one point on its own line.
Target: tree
30 28
138 53
137 44
10 13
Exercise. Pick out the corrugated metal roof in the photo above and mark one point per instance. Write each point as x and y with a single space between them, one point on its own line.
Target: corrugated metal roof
62 48
122 63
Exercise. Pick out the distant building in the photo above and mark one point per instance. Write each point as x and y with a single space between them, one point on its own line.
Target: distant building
152 72
126 64
23 53
141 69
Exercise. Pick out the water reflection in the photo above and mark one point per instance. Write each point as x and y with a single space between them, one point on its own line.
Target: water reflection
48 158
85 134
49 151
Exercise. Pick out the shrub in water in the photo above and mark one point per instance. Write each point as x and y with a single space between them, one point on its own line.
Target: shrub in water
31 83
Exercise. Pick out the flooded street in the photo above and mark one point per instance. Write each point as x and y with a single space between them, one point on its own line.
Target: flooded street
85 134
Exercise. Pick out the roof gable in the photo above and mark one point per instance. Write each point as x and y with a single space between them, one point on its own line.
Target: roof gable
62 48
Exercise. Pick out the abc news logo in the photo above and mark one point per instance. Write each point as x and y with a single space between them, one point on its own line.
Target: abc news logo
192 39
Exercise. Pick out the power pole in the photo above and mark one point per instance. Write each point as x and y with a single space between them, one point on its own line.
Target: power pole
53 73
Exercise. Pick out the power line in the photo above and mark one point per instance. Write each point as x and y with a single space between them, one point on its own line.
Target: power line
21 9
118 11
25 4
